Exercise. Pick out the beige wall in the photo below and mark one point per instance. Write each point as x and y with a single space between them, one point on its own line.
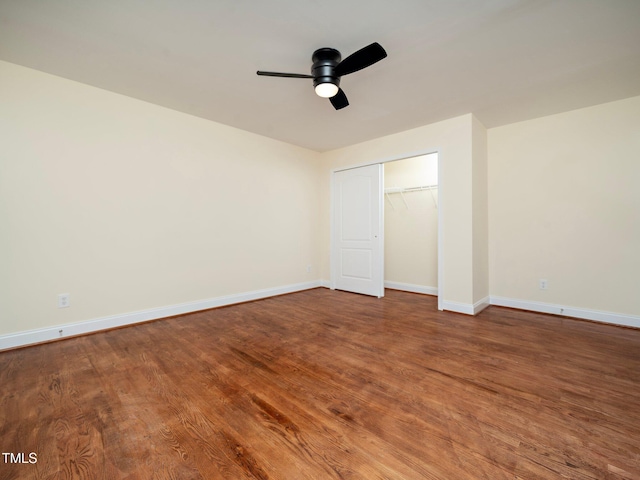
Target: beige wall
411 228
128 206
480 212
564 205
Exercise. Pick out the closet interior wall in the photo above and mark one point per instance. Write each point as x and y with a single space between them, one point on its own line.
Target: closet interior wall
411 223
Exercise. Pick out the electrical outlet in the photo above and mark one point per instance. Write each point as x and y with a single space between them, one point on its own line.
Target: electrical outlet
543 284
308 268
64 300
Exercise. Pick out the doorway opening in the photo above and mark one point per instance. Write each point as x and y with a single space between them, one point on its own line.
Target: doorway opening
411 224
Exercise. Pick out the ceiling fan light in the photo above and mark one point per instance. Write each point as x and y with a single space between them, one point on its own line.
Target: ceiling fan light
326 90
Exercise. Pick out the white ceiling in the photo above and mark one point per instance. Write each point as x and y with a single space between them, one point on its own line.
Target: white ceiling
503 60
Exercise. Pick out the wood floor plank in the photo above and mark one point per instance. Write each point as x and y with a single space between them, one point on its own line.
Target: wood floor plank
329 385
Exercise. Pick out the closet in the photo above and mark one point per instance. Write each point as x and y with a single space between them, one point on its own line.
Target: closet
411 224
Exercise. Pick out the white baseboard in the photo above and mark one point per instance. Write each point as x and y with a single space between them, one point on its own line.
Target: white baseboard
586 314
409 287
30 337
481 305
466 308
40 335
457 307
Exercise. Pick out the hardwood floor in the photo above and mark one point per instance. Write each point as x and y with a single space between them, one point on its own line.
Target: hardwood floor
324 385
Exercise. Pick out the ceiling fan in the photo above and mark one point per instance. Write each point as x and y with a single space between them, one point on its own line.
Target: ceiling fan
327 68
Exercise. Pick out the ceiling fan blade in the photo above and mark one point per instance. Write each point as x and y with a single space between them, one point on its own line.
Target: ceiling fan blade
363 58
339 100
286 75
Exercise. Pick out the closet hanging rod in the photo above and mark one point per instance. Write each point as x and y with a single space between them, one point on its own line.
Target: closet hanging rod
408 189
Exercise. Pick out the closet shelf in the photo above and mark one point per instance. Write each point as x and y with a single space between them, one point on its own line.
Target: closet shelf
408 189
403 190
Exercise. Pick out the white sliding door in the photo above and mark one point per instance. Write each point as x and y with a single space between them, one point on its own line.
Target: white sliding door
357 252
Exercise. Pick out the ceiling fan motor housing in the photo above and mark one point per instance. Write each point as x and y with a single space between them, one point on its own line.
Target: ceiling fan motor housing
325 61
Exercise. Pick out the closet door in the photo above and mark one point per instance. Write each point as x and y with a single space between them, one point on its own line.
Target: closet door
357 252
